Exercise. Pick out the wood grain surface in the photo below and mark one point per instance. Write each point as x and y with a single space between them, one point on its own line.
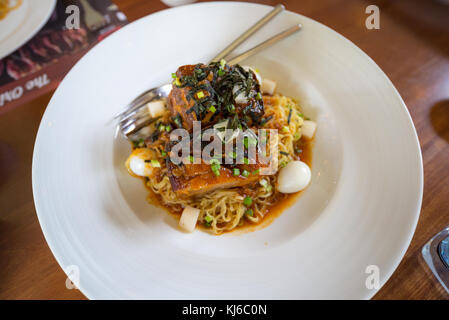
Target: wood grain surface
412 47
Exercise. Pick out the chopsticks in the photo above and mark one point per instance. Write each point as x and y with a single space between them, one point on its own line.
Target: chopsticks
265 44
259 24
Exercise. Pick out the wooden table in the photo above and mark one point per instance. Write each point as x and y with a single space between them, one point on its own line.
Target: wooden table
412 47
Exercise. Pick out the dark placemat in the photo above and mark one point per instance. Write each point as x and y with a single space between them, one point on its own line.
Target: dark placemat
39 65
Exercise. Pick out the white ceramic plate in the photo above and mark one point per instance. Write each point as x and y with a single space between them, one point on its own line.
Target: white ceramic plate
21 24
360 210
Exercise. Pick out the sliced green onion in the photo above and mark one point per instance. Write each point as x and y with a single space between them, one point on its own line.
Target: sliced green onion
283 164
285 129
208 219
177 82
155 164
220 73
168 128
212 109
200 95
161 128
301 115
177 120
269 188
245 173
263 183
296 136
248 141
233 155
138 143
173 75
222 63
215 166
236 172
249 212
256 171
259 96
247 201
163 153
191 159
252 141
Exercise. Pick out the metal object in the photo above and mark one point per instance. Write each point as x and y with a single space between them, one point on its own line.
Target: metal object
93 19
135 117
270 15
436 255
265 44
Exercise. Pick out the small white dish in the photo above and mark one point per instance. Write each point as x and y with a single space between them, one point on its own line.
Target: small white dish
21 24
361 208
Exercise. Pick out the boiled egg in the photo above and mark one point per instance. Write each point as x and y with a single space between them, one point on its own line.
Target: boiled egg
294 177
137 165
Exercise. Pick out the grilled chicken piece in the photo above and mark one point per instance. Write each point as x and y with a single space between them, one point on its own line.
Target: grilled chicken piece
204 182
232 93
194 179
179 103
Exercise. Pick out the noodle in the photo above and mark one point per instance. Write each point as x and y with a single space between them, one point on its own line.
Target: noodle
223 210
6 7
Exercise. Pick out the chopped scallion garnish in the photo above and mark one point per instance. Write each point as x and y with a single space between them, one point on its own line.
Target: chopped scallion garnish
259 96
285 129
296 136
247 201
200 95
282 163
249 212
236 172
245 173
212 109
155 164
215 166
